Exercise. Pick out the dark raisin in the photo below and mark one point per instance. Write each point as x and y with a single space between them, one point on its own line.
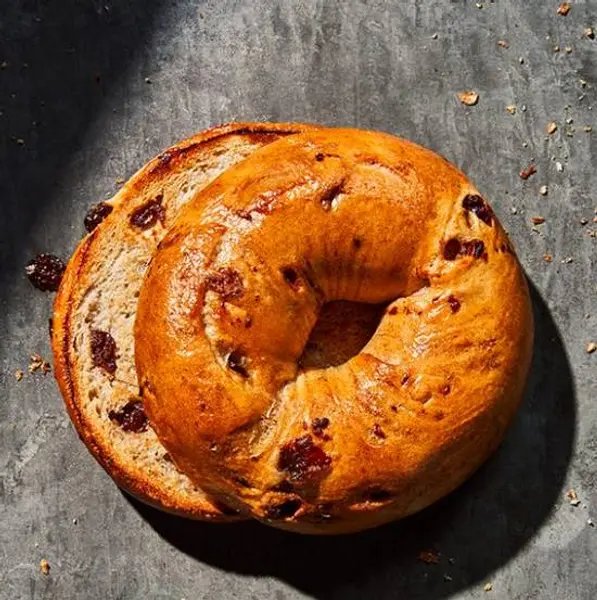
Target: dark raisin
319 157
475 204
242 481
394 408
285 510
45 272
96 214
377 494
378 431
148 214
131 417
474 248
290 276
319 425
454 304
393 310
237 362
357 243
284 486
452 249
303 460
227 282
103 350
405 379
445 390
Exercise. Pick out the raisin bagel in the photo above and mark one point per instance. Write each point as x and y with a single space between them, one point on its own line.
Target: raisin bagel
236 287
95 308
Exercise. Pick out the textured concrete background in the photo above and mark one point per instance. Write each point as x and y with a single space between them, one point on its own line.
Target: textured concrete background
77 113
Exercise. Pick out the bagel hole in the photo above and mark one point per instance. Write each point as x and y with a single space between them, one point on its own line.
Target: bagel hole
341 331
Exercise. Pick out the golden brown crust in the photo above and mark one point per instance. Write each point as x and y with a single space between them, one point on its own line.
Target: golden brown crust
79 276
235 289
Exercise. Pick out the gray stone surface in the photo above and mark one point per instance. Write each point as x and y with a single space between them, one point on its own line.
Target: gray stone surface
74 90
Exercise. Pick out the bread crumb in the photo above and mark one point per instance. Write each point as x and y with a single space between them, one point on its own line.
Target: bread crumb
526 173
552 127
591 347
590 523
564 8
488 587
431 557
543 190
587 129
548 258
559 167
19 374
447 577
44 566
556 48
567 261
568 49
571 495
35 362
503 44
511 108
470 97
589 33
538 220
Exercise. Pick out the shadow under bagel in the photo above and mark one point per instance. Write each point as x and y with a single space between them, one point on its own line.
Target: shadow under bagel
477 528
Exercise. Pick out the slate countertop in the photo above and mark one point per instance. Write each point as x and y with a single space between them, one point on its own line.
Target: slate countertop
90 90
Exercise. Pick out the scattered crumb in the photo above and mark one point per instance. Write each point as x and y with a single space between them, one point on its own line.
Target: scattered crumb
568 49
571 495
587 129
75 521
543 190
564 8
526 173
590 523
582 82
591 347
556 48
511 108
470 97
447 577
478 4
36 362
431 557
589 33
120 180
503 44
559 167
548 258
19 374
20 141
147 80
521 60
567 260
488 587
584 221
434 36
538 220
513 210
552 127
44 566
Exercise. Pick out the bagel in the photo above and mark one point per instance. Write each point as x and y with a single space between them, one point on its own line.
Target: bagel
94 312
233 293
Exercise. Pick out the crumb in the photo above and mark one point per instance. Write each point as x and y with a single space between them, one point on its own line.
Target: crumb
35 362
564 8
503 44
526 173
582 82
567 261
587 129
447 577
20 141
147 80
470 98
548 258
434 36
584 221
431 557
452 560
538 220
568 49
556 48
488 587
590 523
571 495
521 60
120 180
4 64
559 167
44 566
513 210
543 190
478 5
511 108
589 33
591 347
552 127
75 521
19 374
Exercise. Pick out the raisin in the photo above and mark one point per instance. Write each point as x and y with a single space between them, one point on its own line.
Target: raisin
393 310
446 389
318 425
227 282
454 304
357 243
290 276
452 249
45 272
319 157
237 362
103 350
148 214
475 204
378 431
376 494
131 417
96 214
303 460
405 379
285 510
